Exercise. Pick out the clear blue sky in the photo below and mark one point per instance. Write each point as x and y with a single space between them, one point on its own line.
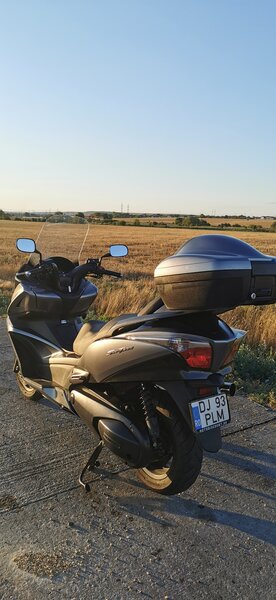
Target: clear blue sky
168 106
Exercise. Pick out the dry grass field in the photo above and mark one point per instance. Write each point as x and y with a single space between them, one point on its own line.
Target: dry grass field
147 247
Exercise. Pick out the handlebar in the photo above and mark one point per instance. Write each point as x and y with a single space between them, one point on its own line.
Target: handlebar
91 267
38 273
50 271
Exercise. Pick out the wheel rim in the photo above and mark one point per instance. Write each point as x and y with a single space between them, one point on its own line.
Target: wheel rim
160 473
25 385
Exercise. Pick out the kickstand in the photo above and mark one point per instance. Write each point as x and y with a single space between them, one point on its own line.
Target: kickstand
91 463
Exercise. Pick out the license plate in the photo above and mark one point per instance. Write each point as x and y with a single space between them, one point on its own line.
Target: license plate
209 413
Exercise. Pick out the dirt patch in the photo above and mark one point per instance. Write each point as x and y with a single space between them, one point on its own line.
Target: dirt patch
8 502
41 564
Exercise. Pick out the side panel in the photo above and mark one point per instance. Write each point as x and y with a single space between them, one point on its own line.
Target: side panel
41 360
118 360
33 355
59 333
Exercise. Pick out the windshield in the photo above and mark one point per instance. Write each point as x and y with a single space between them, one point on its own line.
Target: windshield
62 235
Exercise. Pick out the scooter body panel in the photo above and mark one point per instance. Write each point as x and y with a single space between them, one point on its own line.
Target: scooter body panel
119 360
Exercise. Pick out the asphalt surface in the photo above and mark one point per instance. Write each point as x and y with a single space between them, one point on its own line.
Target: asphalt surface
121 541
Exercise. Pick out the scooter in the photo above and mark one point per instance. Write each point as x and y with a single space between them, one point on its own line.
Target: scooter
150 385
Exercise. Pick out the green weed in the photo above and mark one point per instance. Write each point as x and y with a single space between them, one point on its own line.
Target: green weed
255 373
4 303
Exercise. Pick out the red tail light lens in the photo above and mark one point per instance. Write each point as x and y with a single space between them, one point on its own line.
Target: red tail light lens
198 355
198 358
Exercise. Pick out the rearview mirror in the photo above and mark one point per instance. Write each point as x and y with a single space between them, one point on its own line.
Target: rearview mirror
118 250
26 245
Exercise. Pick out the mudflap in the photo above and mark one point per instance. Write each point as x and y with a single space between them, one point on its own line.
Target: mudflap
208 440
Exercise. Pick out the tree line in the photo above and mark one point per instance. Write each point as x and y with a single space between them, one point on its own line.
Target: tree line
105 218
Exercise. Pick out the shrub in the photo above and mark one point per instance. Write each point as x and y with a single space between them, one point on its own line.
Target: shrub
4 303
255 370
193 221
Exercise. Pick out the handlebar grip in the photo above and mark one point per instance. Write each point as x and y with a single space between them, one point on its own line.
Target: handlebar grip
39 273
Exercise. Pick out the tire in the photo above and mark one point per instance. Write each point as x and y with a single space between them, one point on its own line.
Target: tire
27 390
184 459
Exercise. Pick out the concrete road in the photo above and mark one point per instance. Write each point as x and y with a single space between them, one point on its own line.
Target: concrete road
122 541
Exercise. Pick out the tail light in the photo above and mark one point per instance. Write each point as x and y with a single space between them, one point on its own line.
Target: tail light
198 355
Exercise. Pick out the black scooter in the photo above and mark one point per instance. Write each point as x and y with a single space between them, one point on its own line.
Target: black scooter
151 385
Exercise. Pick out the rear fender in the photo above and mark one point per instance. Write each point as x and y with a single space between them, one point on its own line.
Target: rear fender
180 395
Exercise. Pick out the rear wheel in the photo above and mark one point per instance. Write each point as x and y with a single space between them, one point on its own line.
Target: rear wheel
182 464
27 390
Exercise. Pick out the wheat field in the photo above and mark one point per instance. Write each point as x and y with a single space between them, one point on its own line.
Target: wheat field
147 247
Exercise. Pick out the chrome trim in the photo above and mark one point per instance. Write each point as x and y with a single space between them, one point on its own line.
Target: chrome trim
54 394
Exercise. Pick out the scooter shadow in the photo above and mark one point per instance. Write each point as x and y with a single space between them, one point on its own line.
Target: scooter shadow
150 509
248 460
161 509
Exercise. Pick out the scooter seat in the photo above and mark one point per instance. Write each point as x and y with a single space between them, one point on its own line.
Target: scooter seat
95 330
86 335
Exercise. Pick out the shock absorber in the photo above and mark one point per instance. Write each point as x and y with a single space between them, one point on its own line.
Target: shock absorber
150 414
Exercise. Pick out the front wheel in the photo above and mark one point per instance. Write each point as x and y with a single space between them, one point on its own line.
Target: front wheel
179 470
27 390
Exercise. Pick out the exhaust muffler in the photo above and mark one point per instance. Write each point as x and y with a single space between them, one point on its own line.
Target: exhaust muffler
228 388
